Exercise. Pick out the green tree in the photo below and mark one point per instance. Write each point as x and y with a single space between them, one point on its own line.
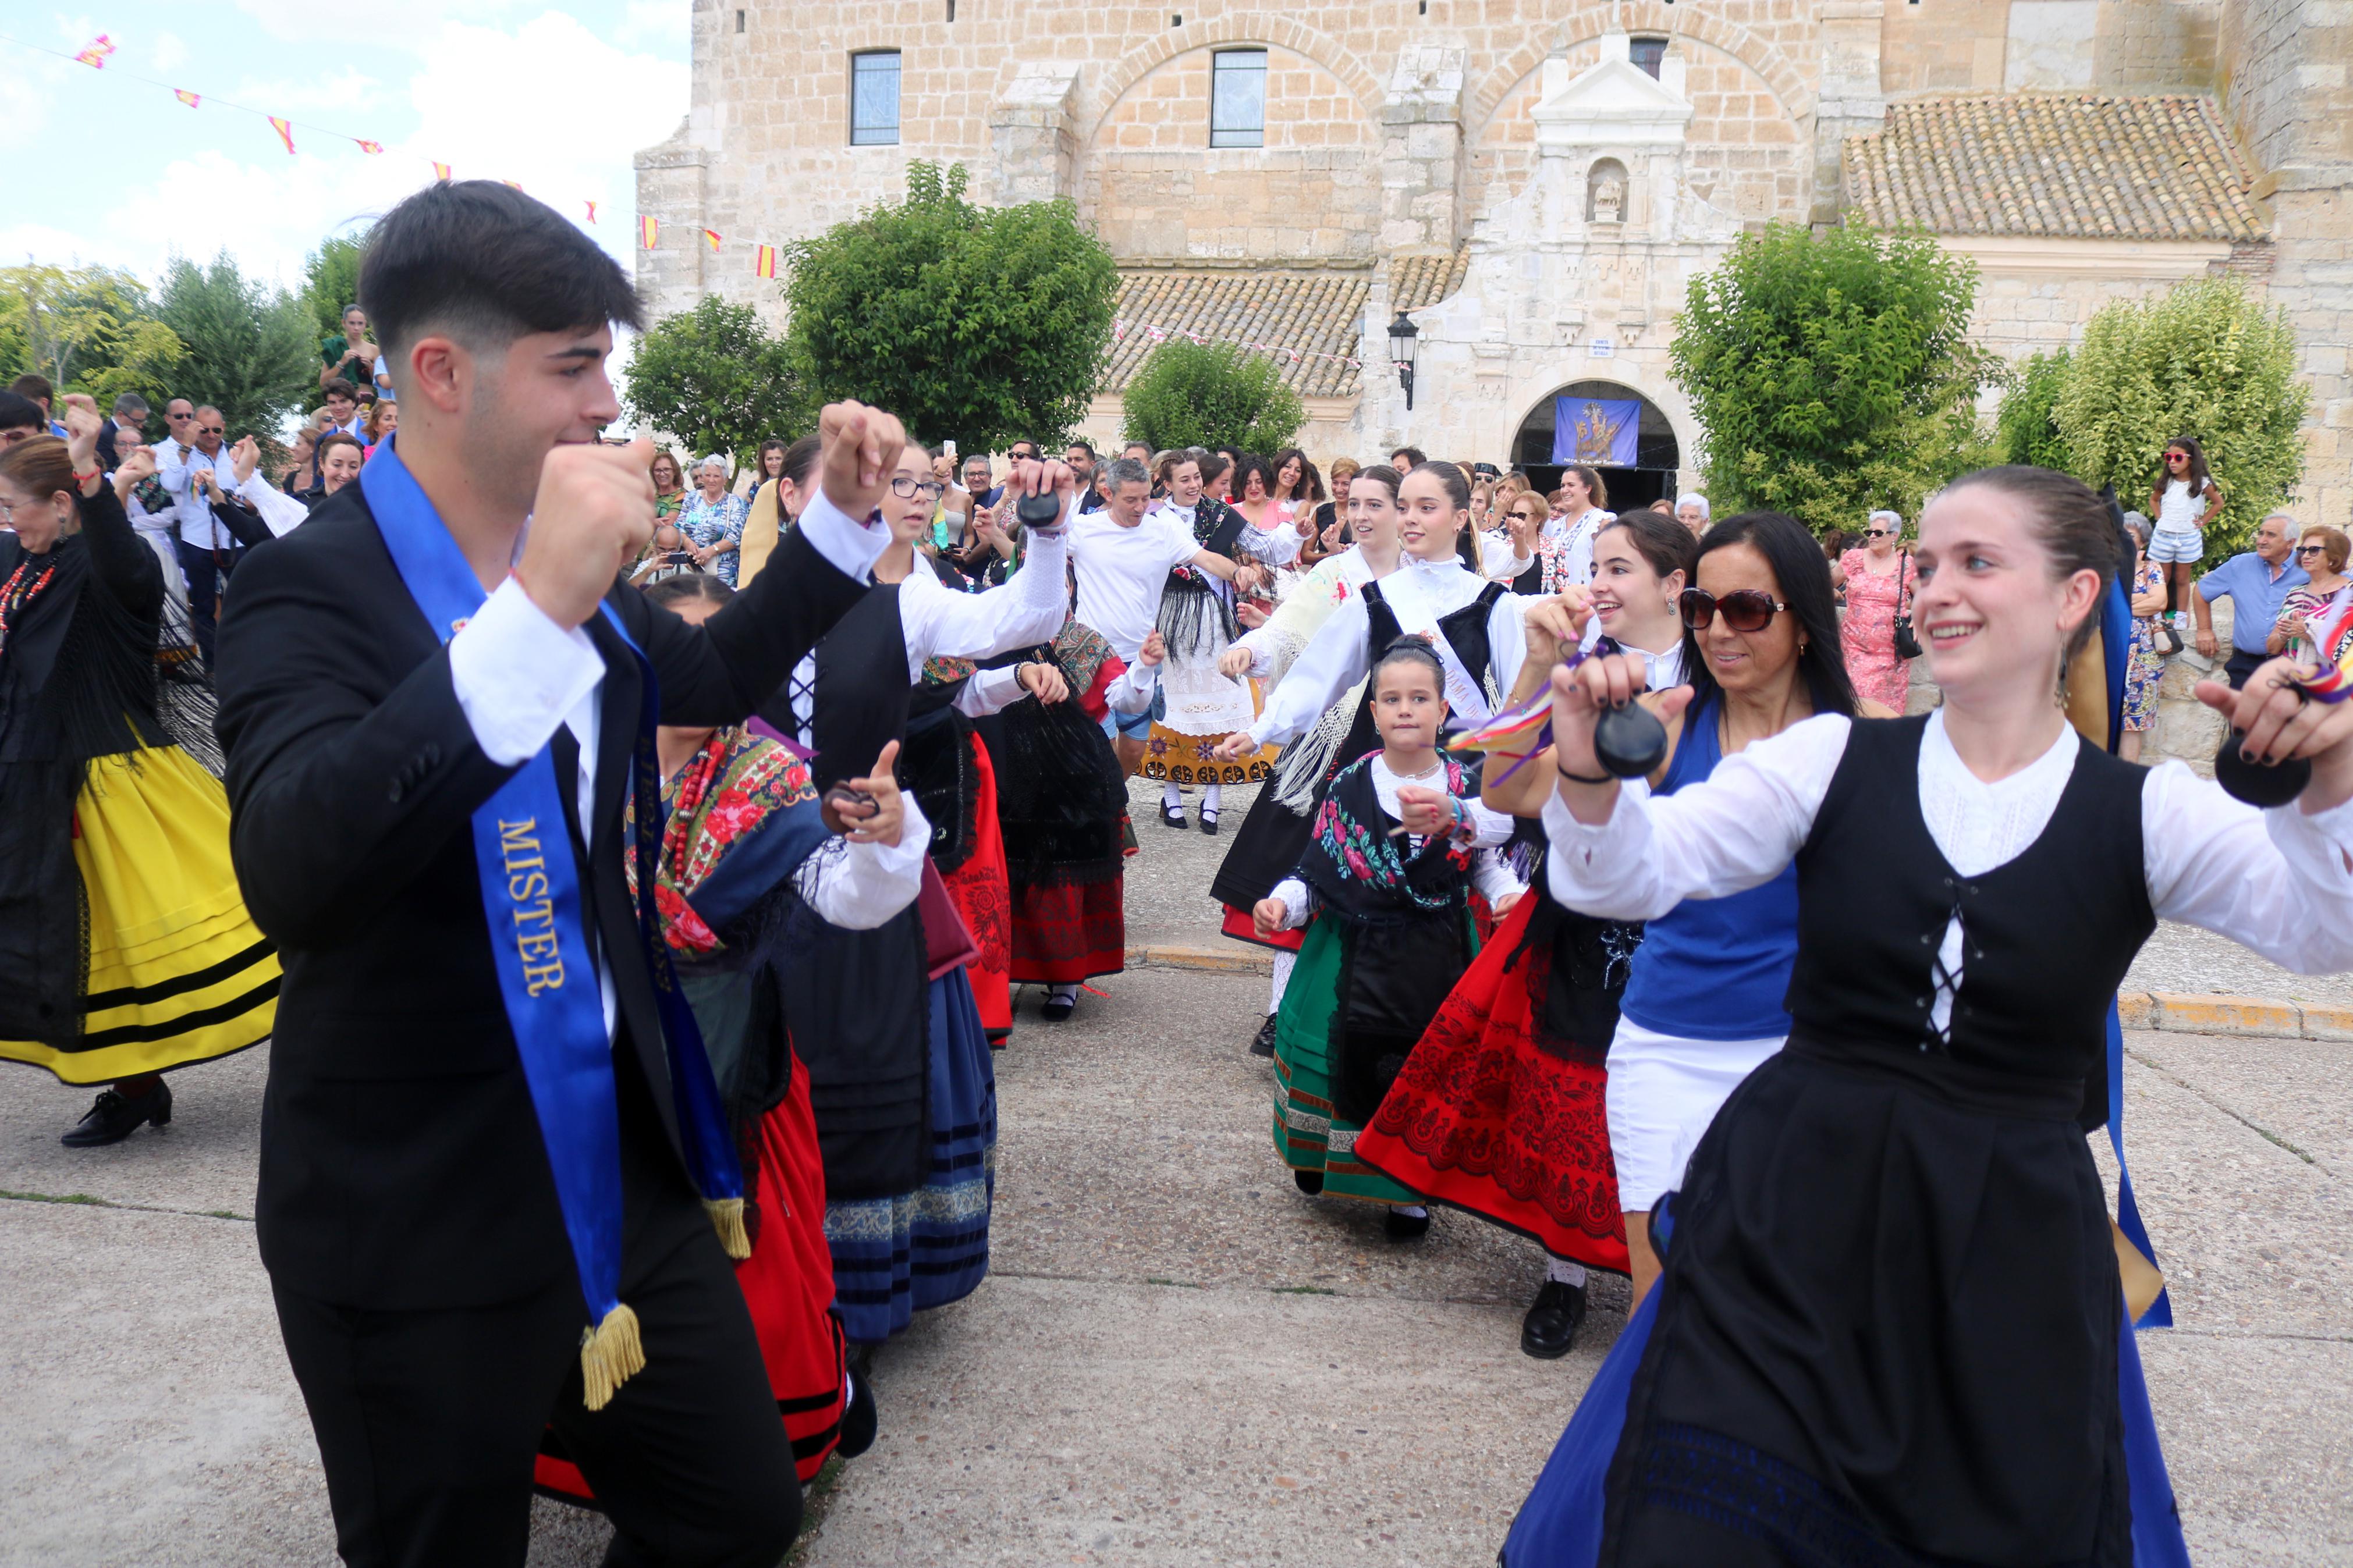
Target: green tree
250 350
2023 429
714 378
1211 395
2203 360
89 330
983 324
1831 373
331 281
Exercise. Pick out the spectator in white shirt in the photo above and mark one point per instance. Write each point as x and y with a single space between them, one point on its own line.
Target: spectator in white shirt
201 478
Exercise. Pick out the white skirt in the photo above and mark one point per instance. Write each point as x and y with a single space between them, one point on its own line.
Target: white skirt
1664 1091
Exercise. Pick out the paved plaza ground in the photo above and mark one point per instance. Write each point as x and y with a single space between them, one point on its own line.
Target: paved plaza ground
1176 1358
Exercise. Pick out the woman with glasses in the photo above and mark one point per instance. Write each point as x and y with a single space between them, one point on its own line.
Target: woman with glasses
2186 499
2321 550
712 520
125 940
1876 580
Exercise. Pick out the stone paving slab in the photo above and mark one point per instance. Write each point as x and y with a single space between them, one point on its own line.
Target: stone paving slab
204 1161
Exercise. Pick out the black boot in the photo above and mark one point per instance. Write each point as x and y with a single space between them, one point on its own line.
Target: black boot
1550 1328
858 1419
1263 1045
117 1116
1406 1226
1309 1182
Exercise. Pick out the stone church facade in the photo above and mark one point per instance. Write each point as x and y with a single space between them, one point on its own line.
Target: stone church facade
1534 182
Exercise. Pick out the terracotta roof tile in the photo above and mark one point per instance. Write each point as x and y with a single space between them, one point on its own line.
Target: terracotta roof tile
2073 166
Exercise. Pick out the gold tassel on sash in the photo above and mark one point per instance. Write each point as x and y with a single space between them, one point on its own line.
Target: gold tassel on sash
727 1219
2143 1282
609 1353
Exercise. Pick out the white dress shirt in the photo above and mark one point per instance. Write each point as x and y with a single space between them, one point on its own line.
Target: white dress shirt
2277 882
1419 592
1490 872
199 526
518 676
1576 552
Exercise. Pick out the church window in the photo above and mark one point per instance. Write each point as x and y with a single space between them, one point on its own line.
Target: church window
874 98
1237 98
1646 54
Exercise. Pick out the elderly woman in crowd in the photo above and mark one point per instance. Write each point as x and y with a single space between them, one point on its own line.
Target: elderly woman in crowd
2321 550
1877 581
1690 510
712 520
2144 665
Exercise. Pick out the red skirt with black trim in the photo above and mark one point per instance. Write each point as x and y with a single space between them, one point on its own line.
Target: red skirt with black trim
1484 1119
985 900
787 1284
1070 932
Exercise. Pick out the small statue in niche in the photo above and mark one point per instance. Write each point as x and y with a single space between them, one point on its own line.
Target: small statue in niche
1608 199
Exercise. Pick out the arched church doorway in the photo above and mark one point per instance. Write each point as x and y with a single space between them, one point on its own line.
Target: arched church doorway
1606 427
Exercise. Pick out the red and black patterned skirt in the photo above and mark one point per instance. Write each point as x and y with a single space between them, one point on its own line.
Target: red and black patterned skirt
984 899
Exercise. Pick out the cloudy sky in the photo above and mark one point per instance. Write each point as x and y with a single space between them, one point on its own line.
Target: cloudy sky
111 170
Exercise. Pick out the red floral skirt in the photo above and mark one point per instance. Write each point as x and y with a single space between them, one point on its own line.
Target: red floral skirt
1484 1119
787 1284
985 900
1070 932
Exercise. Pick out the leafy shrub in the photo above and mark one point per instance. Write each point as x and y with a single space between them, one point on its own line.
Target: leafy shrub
1211 395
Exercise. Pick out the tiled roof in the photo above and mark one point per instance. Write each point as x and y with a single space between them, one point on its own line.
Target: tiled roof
2083 166
1318 312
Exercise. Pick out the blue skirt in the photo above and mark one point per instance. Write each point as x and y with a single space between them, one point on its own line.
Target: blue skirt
1560 1526
895 1256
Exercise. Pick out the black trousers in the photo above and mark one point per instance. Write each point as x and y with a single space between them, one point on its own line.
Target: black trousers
2239 666
205 576
428 1421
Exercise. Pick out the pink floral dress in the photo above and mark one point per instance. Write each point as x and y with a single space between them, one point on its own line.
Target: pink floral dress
1868 632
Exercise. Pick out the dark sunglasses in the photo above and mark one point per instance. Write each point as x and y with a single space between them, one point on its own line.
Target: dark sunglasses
1879 533
1745 610
2312 549
213 429
179 417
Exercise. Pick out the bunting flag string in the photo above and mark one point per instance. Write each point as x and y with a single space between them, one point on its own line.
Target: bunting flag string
93 55
193 99
285 129
440 171
711 238
592 211
764 265
648 233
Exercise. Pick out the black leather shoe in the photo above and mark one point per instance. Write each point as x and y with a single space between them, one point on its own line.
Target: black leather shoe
1406 1226
858 1419
1309 1182
117 1116
1057 1009
1209 822
1172 816
1550 1328
1263 1044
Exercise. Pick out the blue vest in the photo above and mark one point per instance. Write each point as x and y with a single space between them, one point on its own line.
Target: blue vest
1715 969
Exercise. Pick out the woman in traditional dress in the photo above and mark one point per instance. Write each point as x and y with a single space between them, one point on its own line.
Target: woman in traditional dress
1892 1316
1583 497
125 942
1877 583
1062 805
1547 569
1389 931
1197 623
1500 1110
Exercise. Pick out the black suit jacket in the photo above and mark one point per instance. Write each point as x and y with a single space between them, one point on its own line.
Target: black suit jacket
402 1164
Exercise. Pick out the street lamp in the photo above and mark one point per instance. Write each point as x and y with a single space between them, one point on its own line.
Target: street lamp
1405 343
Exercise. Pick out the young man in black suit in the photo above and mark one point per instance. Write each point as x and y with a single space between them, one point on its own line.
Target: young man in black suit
419 1238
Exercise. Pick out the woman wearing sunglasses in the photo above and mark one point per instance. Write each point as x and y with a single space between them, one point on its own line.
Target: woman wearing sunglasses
1876 580
1894 1313
2321 550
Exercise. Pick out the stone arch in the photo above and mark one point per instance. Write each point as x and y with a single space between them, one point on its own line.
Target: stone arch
1532 390
1767 59
1280 31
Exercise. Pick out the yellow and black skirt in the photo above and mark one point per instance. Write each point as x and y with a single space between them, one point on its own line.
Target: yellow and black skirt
178 972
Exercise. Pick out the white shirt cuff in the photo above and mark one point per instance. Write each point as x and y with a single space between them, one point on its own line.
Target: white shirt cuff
1132 693
990 691
851 546
517 674
1298 902
869 883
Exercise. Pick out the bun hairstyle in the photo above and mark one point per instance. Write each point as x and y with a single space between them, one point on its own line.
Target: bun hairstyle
40 467
1802 574
690 587
1667 545
2077 528
1410 650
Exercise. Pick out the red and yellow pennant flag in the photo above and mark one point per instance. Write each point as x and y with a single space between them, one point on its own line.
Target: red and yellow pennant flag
367 146
285 129
765 267
592 211
711 238
511 184
440 171
648 231
191 99
94 53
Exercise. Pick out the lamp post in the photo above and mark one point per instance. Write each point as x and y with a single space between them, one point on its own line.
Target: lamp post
1405 343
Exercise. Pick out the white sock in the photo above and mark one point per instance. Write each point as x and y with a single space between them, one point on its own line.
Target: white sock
1284 964
1171 798
1212 797
1410 1211
1567 1273
1063 993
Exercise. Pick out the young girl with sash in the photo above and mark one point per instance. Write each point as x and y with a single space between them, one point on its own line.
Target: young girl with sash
1388 927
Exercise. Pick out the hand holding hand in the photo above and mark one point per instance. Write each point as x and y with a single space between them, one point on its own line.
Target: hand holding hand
1155 649
1428 812
1234 663
1267 917
862 447
593 513
1044 682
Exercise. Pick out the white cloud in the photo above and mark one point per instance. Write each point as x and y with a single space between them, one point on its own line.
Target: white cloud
336 101
370 28
170 52
656 23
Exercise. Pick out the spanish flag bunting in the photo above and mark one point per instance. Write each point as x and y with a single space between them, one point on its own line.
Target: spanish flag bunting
367 146
285 129
440 171
648 231
511 184
711 238
765 267
592 212
94 53
191 99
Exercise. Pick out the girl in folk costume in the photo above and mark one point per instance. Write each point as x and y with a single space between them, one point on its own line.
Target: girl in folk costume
1849 1344
125 942
743 838
887 1022
1281 821
1584 497
1501 1108
1389 931
1062 805
1197 623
